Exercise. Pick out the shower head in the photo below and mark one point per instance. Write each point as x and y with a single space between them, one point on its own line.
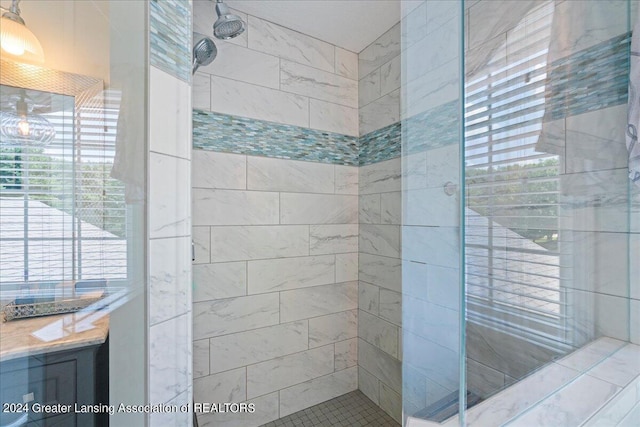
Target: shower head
228 25
204 52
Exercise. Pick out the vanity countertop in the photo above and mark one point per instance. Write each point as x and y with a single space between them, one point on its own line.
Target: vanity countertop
28 337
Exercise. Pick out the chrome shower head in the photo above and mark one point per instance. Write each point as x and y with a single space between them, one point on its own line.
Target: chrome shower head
228 25
204 52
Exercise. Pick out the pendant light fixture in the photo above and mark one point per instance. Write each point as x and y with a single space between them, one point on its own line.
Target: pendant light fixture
16 39
24 128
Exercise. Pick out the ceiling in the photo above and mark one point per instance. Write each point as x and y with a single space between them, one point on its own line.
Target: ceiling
350 24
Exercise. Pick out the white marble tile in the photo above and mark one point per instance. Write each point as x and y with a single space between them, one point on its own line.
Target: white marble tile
595 201
226 316
439 166
246 348
390 76
266 410
597 266
218 170
384 48
634 316
380 240
382 112
431 90
586 357
414 388
267 37
391 208
299 208
332 117
597 314
441 47
440 12
318 84
572 405
587 24
333 239
368 298
369 209
346 179
596 140
204 15
238 243
431 207
378 332
381 177
331 328
369 88
230 207
620 368
391 306
383 366
346 354
346 267
245 65
202 244
414 26
200 358
381 271
616 410
414 166
169 358
258 102
368 384
169 196
520 396
391 402
170 419
218 281
229 386
169 115
318 390
290 273
169 278
318 301
432 245
483 380
270 174
346 63
282 372
201 92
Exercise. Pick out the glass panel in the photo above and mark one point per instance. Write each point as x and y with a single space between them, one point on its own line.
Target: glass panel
550 216
547 189
431 236
72 205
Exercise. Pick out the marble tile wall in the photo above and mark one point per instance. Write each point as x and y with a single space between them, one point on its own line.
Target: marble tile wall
275 283
278 75
379 82
379 286
169 245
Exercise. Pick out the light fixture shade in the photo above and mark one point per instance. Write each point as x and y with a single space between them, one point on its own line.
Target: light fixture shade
19 42
25 129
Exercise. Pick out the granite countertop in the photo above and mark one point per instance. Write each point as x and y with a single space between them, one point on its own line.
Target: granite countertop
28 337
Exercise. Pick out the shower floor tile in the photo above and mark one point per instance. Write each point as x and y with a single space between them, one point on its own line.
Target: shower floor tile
349 410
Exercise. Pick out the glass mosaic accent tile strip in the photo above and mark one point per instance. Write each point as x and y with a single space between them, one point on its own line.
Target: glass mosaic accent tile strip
233 134
592 79
589 80
170 37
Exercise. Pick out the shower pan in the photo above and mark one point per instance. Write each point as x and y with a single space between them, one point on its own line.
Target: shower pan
520 285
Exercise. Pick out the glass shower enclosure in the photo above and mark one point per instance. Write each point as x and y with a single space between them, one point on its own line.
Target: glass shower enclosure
521 226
